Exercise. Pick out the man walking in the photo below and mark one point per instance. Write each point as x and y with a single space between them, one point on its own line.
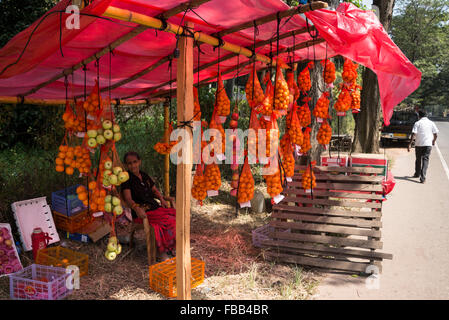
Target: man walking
425 132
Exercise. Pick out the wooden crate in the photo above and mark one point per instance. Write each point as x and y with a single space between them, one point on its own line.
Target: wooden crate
62 257
72 223
335 227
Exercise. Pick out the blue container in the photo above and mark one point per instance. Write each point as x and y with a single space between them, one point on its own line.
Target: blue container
68 206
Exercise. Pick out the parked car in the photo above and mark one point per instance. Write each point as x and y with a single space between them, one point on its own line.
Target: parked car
400 128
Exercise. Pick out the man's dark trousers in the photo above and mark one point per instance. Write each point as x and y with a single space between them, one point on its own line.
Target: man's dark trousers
422 161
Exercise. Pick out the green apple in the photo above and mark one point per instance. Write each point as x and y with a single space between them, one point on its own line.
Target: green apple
113 239
108 164
100 131
91 133
117 136
108 134
106 173
106 182
108 207
119 249
107 124
123 176
118 210
115 201
113 179
110 255
108 198
117 170
100 139
116 128
92 142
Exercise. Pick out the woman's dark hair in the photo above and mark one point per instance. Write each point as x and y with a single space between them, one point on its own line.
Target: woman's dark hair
131 153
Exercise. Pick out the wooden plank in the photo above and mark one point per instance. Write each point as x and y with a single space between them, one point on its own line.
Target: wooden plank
363 223
359 243
328 250
184 169
329 212
342 186
317 262
167 156
326 228
333 194
343 169
333 202
340 177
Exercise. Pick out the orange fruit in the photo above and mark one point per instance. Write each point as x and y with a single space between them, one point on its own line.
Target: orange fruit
82 196
80 189
92 185
59 168
69 170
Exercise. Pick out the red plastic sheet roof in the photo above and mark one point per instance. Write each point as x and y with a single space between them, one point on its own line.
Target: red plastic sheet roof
349 32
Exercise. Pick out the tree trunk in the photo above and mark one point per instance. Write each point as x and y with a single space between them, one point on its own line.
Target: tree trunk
367 122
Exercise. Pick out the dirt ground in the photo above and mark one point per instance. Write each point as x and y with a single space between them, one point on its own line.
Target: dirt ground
234 268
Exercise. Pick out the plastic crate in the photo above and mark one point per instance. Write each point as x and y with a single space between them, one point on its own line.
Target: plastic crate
72 206
163 276
262 233
38 282
62 257
72 223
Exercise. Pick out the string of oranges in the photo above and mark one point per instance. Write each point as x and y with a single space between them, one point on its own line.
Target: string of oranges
256 96
213 177
324 133
328 71
304 114
73 158
199 187
304 82
246 185
295 129
222 104
308 179
321 109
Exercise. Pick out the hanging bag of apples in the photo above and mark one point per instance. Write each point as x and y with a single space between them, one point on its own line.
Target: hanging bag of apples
246 186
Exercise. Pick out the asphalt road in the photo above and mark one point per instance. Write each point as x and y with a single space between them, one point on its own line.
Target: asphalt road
415 230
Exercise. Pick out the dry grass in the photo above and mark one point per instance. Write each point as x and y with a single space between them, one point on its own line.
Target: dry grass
234 268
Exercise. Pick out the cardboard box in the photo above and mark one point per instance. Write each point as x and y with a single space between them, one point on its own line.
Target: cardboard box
92 232
327 161
369 160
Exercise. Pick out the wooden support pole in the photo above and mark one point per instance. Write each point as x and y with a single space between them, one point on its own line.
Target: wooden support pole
184 170
167 156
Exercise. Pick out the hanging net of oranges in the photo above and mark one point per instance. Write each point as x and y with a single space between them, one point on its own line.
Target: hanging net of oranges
304 114
196 105
253 140
253 90
163 147
304 82
70 158
288 160
355 97
282 92
222 102
213 177
349 73
93 102
272 134
294 91
324 133
308 178
295 129
246 186
214 124
266 108
199 187
321 109
306 144
343 102
328 72
273 181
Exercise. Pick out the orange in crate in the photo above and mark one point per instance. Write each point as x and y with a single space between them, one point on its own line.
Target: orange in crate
72 223
163 276
63 257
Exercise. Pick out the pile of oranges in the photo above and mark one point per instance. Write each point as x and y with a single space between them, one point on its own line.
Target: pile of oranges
199 187
196 105
321 109
308 179
222 102
306 145
324 133
95 198
349 74
274 185
328 71
295 130
304 114
304 82
344 101
256 96
213 177
246 185
73 158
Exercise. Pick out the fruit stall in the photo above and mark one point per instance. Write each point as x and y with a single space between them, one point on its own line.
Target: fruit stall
113 53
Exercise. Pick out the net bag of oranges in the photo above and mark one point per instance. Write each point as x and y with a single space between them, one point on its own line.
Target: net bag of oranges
219 149
70 158
294 91
304 82
253 90
162 147
281 90
306 144
295 129
94 102
321 110
308 178
196 105
324 134
253 137
288 160
349 73
273 180
246 186
343 102
328 72
271 133
266 108
222 102
355 98
199 187
213 179
304 114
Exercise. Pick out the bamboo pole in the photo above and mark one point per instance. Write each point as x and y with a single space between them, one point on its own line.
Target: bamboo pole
184 169
167 156
51 102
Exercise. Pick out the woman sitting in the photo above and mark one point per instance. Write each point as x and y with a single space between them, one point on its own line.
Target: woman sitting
140 194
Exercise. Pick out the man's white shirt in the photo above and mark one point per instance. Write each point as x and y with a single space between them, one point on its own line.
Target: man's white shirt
424 130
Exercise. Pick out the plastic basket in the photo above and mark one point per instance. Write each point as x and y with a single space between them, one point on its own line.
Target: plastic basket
163 276
72 206
63 257
262 233
72 223
38 282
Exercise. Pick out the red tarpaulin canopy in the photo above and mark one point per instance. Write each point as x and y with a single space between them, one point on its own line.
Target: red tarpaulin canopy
52 48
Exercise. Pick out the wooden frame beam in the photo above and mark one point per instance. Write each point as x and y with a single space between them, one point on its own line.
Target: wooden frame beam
50 102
